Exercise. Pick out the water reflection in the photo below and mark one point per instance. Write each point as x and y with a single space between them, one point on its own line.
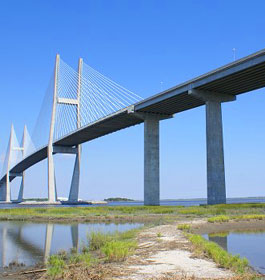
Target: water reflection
220 240
250 245
32 243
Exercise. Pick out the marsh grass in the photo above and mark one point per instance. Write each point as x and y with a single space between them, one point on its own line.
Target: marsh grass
184 227
116 250
56 265
108 213
219 219
98 239
246 217
219 255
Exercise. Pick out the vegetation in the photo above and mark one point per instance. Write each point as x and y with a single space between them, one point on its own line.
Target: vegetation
118 199
219 255
106 213
184 227
101 247
223 218
56 265
219 219
118 250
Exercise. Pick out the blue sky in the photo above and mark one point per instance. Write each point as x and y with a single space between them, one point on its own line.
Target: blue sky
137 44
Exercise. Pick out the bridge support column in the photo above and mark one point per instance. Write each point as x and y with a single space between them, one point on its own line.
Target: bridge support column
74 190
3 192
216 190
151 162
151 154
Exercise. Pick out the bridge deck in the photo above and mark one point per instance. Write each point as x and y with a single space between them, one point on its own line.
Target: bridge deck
241 76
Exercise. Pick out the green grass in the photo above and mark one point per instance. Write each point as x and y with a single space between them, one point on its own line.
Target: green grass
134 212
98 239
110 247
84 258
219 219
184 227
118 250
219 255
56 265
246 217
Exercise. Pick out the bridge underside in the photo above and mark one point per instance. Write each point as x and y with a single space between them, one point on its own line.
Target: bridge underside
241 76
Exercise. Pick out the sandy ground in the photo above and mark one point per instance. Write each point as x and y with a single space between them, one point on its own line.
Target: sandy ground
168 257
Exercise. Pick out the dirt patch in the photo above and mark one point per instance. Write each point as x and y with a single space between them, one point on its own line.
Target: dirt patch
165 253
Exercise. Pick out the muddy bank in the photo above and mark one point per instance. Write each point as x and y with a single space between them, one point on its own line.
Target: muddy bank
239 226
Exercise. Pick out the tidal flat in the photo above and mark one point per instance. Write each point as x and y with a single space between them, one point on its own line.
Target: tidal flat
167 242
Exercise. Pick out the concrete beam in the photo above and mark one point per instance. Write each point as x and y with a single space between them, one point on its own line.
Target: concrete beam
67 101
144 115
211 96
64 150
12 174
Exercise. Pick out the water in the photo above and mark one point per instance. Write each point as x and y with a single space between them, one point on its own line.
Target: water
171 202
248 245
32 243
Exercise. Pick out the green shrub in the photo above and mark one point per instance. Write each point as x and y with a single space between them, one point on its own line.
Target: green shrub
98 239
55 266
81 258
250 217
118 250
184 227
219 219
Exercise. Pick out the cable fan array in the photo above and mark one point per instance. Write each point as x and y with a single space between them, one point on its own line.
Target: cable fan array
99 97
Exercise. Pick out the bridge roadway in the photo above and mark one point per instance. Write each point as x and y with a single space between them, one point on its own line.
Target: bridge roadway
238 77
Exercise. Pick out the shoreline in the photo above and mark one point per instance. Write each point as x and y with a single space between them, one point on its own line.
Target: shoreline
163 252
159 242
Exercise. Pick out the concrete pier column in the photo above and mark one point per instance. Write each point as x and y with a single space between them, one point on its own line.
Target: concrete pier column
216 192
151 161
3 192
74 190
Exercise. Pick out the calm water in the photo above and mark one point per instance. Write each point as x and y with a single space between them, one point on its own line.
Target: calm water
181 202
32 243
248 245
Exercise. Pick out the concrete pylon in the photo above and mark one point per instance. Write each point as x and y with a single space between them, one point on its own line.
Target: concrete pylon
216 190
51 170
151 162
74 190
24 141
10 159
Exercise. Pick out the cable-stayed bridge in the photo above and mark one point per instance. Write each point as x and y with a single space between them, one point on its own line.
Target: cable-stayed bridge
82 105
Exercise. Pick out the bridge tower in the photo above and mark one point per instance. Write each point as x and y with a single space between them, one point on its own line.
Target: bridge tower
53 149
10 160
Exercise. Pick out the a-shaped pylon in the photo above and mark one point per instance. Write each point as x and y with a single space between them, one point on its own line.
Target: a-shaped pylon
14 154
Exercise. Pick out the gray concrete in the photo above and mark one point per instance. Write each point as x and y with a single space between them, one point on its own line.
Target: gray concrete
74 191
3 192
151 161
216 192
